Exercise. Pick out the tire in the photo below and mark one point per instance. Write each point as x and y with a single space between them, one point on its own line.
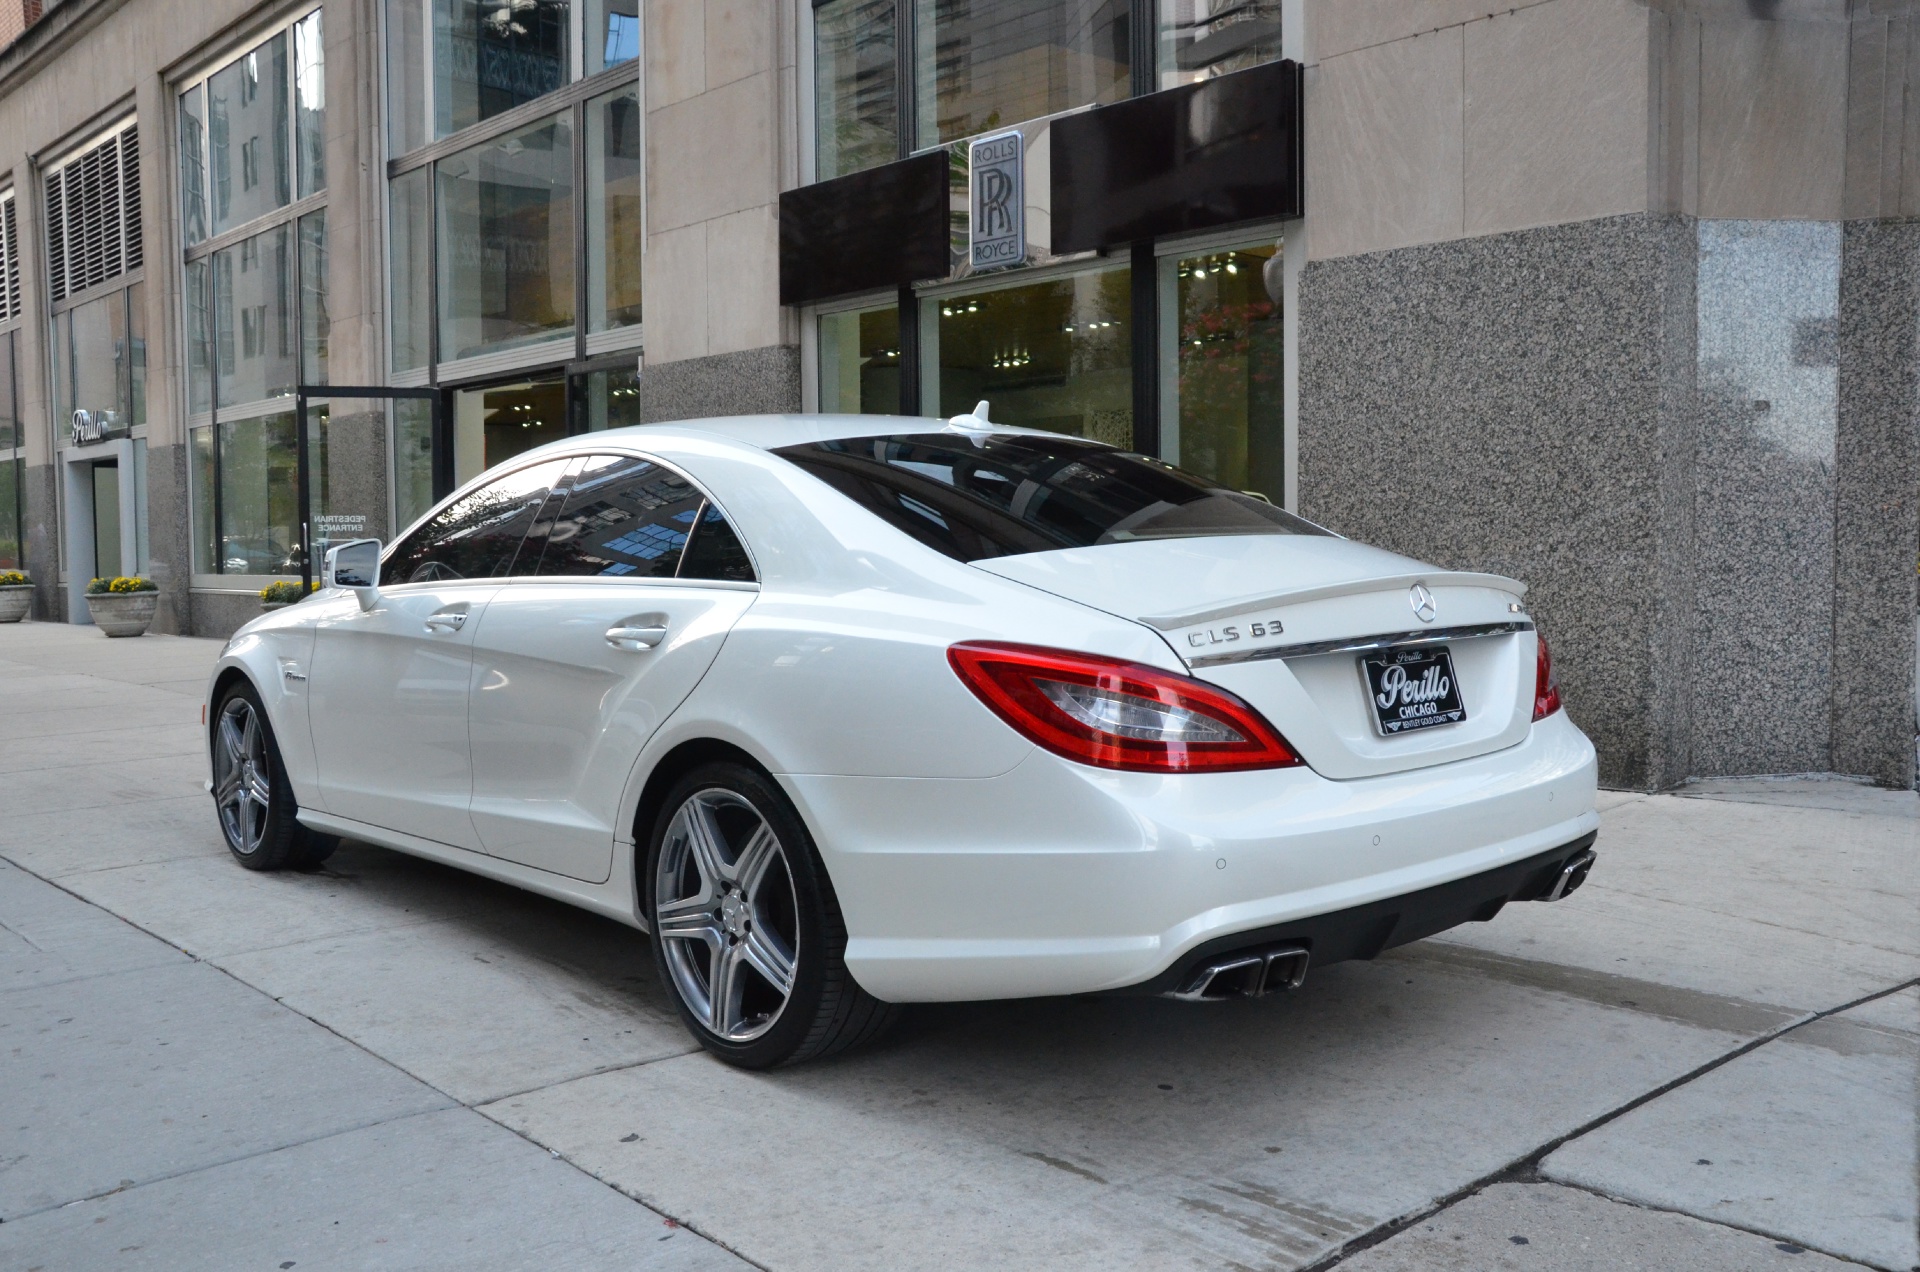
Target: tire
736 894
251 795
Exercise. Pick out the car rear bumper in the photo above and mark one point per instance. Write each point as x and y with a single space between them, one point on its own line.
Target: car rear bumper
1364 931
1056 878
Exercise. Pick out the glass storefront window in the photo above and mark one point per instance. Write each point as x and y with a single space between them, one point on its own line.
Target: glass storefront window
100 359
613 33
608 399
860 361
489 57
856 112
1223 412
315 326
613 210
986 64
255 311
10 435
412 461
98 332
205 557
247 136
136 354
1053 354
411 265
500 421
309 105
258 508
193 164
10 557
1203 38
506 239
199 302
256 339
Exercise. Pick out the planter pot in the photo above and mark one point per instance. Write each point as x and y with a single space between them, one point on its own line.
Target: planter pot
123 613
15 600
270 606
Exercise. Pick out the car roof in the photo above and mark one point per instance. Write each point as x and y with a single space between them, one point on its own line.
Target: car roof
769 432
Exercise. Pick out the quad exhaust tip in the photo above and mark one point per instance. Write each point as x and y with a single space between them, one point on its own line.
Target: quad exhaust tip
1572 875
1246 976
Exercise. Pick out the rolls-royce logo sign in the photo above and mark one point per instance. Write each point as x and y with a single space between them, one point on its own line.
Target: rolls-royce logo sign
997 225
89 427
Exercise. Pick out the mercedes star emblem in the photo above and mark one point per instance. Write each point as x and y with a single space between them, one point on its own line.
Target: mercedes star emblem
1422 601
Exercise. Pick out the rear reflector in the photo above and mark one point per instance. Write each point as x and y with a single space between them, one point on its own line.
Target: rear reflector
1546 684
1118 715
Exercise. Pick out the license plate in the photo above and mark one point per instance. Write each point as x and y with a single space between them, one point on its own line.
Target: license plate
1412 689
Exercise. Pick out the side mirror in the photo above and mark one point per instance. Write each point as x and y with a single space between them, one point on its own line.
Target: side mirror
356 565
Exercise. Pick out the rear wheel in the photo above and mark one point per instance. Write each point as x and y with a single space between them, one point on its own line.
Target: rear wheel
258 815
746 927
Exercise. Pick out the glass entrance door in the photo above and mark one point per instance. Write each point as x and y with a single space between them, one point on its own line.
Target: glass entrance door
106 519
494 422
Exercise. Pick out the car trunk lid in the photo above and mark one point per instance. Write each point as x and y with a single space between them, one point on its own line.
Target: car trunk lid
1285 622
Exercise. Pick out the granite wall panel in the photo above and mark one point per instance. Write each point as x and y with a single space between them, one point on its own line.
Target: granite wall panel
1511 403
750 382
40 518
169 539
1876 534
1763 543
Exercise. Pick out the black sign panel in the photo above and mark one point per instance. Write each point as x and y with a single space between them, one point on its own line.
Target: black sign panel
885 227
1202 155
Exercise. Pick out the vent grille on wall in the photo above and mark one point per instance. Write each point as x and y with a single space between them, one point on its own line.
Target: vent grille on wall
93 215
9 262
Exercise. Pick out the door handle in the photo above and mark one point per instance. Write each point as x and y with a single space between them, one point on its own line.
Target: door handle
636 639
447 622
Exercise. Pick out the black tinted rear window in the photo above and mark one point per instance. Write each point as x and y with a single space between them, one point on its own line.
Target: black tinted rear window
1007 493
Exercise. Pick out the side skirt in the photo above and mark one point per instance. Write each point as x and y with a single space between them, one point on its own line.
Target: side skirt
609 899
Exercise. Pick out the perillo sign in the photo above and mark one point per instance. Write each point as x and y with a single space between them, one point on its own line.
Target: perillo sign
89 427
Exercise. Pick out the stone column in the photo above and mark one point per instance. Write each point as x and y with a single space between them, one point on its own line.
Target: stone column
169 527
719 80
1876 533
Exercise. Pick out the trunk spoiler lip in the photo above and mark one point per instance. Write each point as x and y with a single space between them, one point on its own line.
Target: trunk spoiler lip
1350 587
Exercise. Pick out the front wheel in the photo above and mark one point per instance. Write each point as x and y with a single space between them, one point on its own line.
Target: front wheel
258 815
746 927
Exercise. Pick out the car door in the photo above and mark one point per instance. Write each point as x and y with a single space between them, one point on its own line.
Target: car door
389 685
579 658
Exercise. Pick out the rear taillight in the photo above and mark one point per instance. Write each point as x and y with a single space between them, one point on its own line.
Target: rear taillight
1118 715
1546 685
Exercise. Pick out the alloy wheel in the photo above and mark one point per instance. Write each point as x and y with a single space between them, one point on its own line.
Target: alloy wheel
242 787
726 914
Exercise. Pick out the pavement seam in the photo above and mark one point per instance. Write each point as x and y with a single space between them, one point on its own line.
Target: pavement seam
1718 1223
454 1100
1525 1169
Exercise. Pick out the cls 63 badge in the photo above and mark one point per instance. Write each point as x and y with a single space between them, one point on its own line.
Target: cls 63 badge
1227 635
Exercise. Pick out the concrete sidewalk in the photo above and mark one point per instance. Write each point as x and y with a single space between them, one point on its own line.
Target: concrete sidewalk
1707 1059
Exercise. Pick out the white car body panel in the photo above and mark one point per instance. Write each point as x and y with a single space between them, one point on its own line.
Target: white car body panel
969 863
1056 878
388 700
557 714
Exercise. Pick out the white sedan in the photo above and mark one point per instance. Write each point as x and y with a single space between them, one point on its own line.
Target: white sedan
854 711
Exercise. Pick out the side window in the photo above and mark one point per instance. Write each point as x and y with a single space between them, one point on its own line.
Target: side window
716 551
622 516
477 536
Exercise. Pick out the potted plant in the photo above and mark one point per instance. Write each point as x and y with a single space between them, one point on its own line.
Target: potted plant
284 593
123 606
16 595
